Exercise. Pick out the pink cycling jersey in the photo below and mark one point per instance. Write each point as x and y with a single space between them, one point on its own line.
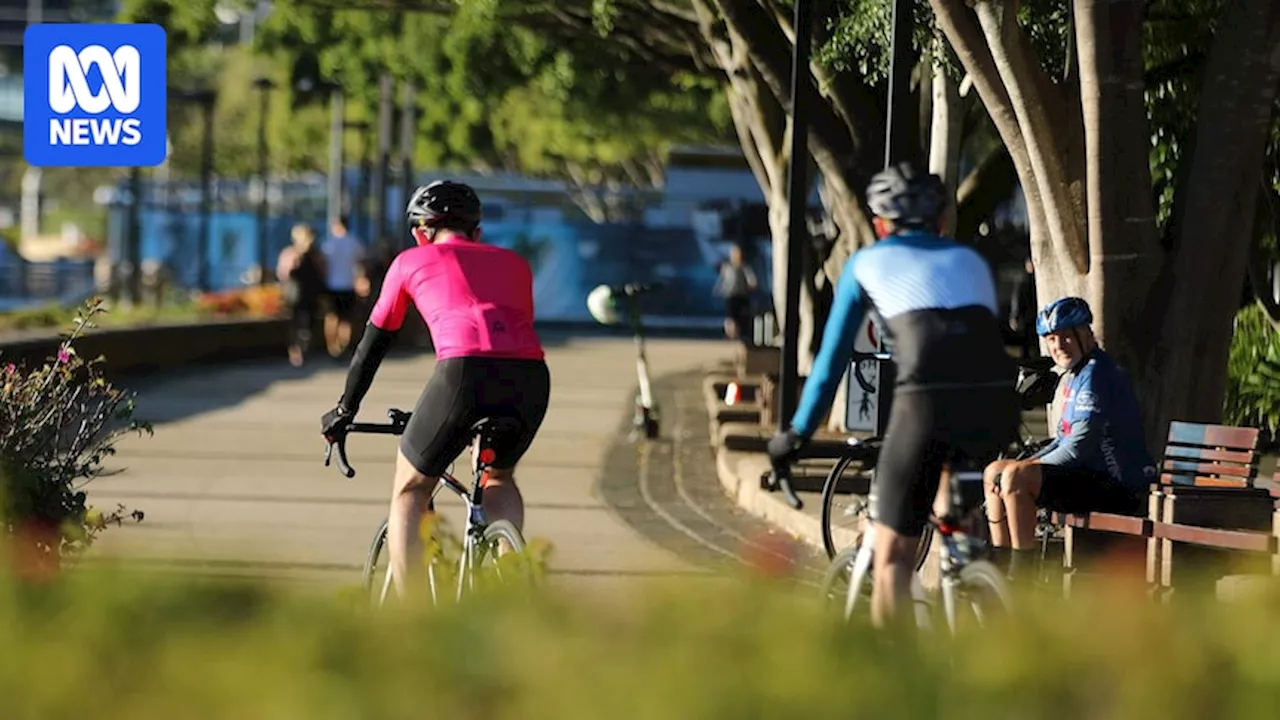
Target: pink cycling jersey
477 299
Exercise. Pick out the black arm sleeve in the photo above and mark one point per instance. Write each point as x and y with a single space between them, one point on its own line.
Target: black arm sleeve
364 364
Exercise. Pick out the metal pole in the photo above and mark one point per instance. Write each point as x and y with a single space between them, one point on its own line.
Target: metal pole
335 157
206 194
133 237
366 181
263 261
796 229
897 141
386 90
408 120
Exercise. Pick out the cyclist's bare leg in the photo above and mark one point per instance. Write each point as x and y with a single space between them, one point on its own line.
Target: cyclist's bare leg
409 501
997 513
1020 486
502 499
895 559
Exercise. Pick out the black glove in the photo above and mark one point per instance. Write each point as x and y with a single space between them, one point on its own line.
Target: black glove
334 423
784 446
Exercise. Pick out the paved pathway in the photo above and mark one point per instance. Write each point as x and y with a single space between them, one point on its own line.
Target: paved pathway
232 481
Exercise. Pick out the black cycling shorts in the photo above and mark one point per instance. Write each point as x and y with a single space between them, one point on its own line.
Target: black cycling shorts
929 428
1078 491
464 390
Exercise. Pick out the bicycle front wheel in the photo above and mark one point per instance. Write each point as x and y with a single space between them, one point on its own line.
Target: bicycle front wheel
376 576
841 512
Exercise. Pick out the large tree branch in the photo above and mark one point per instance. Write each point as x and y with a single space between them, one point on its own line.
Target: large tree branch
834 145
1004 39
966 39
757 117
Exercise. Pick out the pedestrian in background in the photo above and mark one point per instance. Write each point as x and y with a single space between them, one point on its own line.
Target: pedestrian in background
301 270
736 283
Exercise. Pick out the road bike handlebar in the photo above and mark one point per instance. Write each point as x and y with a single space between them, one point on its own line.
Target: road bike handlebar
399 419
633 289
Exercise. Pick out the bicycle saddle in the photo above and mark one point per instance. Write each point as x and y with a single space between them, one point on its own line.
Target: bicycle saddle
489 428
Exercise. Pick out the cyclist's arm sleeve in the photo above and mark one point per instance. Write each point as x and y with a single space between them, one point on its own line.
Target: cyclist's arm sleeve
384 324
838 336
364 365
1084 442
393 302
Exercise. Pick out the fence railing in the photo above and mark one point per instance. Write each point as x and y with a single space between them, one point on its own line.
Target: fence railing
31 283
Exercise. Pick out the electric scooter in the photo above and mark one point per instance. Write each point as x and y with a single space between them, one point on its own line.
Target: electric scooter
645 419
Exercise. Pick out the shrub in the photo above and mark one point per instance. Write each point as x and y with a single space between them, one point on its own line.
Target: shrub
57 424
1253 373
144 647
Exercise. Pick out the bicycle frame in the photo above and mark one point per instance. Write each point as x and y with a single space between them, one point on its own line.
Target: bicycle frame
473 498
954 552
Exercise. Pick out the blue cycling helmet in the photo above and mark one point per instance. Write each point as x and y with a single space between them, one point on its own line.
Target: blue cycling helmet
1063 313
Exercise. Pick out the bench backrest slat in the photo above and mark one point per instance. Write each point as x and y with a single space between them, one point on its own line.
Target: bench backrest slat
1210 455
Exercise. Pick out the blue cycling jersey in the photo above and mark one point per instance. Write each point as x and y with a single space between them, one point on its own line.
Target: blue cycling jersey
1101 425
938 301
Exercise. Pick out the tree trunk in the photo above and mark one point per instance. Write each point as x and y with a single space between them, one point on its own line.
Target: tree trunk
1213 216
944 136
1125 254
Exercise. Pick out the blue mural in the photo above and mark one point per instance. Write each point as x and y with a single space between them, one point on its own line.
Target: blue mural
568 258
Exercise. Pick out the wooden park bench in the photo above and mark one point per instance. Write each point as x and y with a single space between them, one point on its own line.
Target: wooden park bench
1205 485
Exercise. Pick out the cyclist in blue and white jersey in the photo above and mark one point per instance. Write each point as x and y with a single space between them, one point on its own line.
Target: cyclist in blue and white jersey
954 396
1098 460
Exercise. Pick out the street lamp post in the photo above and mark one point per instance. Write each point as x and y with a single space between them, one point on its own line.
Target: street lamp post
360 206
264 86
206 99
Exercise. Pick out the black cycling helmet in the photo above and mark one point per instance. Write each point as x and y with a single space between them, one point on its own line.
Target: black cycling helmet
444 201
906 196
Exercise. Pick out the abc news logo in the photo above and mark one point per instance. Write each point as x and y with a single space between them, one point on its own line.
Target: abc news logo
69 91
95 95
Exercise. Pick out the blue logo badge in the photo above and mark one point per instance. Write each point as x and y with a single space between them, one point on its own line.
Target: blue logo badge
94 95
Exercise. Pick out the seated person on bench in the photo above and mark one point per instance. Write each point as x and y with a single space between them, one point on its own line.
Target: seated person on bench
1098 459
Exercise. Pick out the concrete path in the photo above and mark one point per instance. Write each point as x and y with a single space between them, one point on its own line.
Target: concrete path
233 483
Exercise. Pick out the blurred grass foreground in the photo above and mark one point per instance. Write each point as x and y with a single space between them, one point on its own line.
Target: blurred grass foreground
101 642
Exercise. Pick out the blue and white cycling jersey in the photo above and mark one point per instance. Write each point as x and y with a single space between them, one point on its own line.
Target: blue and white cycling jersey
1101 425
938 301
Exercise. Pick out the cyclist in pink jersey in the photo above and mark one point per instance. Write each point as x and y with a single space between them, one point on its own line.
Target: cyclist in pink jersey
477 301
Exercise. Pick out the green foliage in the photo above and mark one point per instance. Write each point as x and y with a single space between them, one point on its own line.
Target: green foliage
861 33
1176 39
500 85
58 423
53 316
1253 372
147 646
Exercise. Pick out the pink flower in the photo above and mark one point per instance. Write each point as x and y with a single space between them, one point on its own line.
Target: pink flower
10 369
64 355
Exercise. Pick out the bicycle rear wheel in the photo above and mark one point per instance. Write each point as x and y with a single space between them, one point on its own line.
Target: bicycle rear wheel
981 593
500 559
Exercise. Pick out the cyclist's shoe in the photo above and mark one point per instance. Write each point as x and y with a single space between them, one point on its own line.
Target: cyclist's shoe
334 423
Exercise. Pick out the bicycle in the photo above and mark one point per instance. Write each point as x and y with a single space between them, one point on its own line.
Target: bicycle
964 575
1035 386
480 538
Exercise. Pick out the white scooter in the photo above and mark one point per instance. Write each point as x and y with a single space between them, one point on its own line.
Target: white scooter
602 302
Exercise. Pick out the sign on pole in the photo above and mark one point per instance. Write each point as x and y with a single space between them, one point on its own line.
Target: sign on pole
862 407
